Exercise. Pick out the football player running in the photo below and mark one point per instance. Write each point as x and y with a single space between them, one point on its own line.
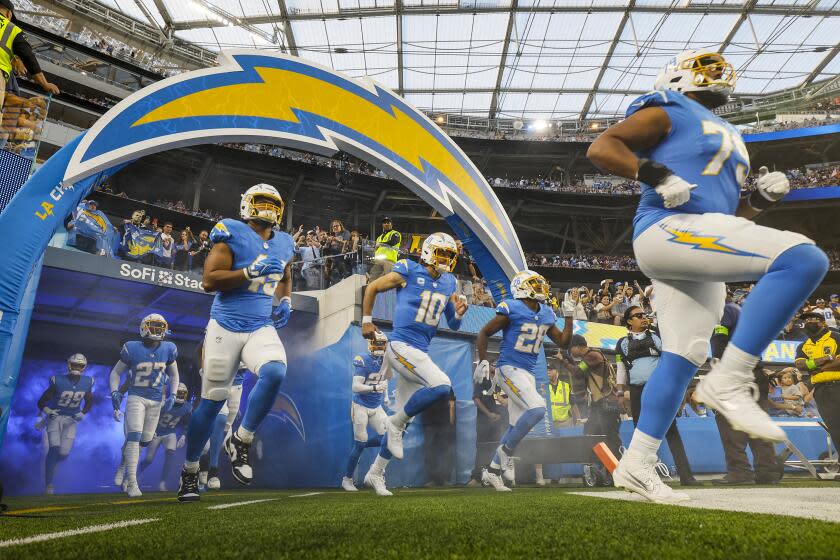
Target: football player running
692 233
221 427
61 404
425 291
525 320
249 268
149 361
370 384
167 435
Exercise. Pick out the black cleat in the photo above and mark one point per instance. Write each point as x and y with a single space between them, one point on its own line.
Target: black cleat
240 464
188 489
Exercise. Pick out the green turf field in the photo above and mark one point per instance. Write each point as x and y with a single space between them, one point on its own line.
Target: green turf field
457 523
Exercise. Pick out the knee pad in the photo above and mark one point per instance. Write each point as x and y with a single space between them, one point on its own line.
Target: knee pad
133 436
360 434
217 380
273 372
806 259
697 351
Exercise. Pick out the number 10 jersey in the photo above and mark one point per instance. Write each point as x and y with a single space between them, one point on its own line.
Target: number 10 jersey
522 339
420 303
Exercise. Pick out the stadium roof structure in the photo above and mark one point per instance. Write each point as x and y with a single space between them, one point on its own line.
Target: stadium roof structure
519 59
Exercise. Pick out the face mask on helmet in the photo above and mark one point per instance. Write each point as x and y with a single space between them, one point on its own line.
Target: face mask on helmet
707 76
154 328
444 259
263 203
181 394
376 346
76 364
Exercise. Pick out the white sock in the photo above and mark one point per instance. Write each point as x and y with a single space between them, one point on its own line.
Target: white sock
400 419
244 435
643 444
191 466
379 464
132 455
735 359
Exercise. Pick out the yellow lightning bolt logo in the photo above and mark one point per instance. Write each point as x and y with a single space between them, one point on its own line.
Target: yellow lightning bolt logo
512 387
405 363
704 242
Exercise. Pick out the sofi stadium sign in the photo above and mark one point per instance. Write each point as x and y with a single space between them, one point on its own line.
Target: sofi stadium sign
160 276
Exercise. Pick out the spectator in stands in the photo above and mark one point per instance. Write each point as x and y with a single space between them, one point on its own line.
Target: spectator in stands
14 44
603 309
480 296
491 422
790 398
830 314
181 259
337 241
199 251
387 250
165 255
310 254
818 356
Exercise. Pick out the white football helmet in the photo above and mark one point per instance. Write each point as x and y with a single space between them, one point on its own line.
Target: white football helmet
377 344
181 394
76 363
154 327
697 70
262 202
440 251
528 284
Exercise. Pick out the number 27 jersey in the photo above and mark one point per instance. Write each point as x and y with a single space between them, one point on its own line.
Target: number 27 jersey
522 339
147 367
420 303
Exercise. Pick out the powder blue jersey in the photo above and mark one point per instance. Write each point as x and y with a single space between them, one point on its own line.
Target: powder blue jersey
420 304
368 367
147 367
701 148
68 394
248 307
177 416
522 339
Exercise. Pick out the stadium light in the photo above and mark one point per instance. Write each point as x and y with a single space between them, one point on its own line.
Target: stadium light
539 125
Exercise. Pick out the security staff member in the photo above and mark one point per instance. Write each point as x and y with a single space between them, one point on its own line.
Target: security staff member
636 356
561 405
818 356
12 44
387 250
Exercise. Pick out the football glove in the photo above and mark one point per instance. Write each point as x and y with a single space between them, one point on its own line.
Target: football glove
169 403
772 186
78 416
674 190
482 372
281 312
263 266
51 413
381 387
568 308
117 415
116 399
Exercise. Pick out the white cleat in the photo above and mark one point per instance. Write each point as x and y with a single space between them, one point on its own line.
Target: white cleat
638 474
202 478
162 486
119 476
507 464
543 481
395 440
494 480
730 394
377 482
133 490
347 484
213 483
50 490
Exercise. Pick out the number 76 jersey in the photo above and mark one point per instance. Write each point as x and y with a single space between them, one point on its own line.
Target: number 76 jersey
147 367
523 338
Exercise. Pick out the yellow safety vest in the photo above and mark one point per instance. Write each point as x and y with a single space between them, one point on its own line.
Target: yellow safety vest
560 406
8 32
387 252
826 345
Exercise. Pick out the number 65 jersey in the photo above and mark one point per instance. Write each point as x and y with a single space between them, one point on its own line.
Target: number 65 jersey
420 303
522 339
248 307
147 367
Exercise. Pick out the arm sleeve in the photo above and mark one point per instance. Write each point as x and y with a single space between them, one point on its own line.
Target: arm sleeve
359 385
172 372
21 48
116 373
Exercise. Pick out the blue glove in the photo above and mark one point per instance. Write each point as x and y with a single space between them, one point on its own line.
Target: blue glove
116 399
169 403
263 266
280 313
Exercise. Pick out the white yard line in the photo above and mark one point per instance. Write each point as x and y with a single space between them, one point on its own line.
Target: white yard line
235 504
74 532
306 495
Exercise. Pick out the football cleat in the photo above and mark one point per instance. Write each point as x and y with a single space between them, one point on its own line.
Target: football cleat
395 440
213 482
730 394
133 490
377 482
347 484
494 480
50 490
638 474
506 461
202 478
238 451
188 489
162 486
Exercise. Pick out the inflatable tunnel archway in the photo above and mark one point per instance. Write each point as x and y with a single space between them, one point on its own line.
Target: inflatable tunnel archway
250 97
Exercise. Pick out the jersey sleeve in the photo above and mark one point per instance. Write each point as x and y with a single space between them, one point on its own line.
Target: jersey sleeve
173 353
52 381
359 362
663 99
221 232
403 268
125 355
551 316
503 309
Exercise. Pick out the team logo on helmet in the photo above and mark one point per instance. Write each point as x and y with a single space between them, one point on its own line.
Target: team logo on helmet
697 70
262 202
154 327
76 363
440 251
529 285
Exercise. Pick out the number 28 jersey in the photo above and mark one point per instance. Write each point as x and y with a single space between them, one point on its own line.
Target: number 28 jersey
522 339
147 367
248 307
701 148
420 303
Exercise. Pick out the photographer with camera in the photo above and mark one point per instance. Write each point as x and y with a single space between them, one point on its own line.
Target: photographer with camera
637 354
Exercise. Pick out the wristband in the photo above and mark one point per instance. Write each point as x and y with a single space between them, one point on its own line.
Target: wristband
367 319
810 364
245 272
652 173
758 201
